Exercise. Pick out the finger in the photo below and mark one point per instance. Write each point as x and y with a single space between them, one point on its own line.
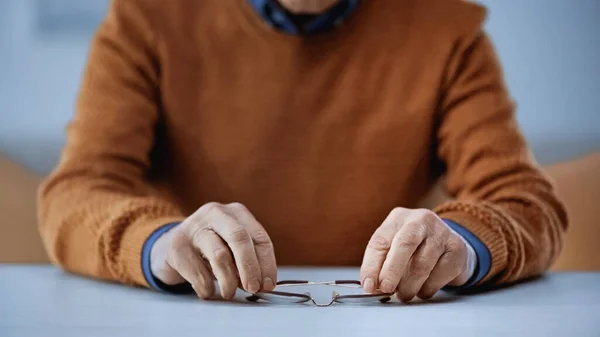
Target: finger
240 242
219 257
375 254
420 266
405 243
188 263
263 246
449 266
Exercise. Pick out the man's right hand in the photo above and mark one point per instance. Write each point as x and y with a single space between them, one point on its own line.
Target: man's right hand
218 241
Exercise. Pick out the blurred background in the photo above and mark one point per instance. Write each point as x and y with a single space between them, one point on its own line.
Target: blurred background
550 50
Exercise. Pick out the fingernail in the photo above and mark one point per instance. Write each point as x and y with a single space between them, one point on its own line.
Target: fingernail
369 285
226 294
253 285
386 286
202 293
268 283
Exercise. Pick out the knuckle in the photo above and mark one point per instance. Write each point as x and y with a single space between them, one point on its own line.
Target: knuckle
412 237
268 267
210 207
456 261
396 218
443 231
198 234
455 245
221 256
391 273
236 206
267 259
397 212
421 261
380 243
428 216
420 267
239 236
267 255
252 269
439 239
407 240
419 229
262 238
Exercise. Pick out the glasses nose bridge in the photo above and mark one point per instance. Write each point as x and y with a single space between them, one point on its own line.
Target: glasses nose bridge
334 297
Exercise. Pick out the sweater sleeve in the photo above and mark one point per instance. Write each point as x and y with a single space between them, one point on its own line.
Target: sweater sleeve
500 195
95 208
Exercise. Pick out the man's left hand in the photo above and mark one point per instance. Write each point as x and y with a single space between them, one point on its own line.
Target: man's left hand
415 253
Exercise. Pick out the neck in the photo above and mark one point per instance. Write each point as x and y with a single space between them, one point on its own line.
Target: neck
307 6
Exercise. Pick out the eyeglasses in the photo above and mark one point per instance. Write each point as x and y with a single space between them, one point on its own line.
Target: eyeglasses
290 297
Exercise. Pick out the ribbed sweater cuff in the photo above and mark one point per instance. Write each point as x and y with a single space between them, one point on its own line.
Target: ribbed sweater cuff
484 228
132 244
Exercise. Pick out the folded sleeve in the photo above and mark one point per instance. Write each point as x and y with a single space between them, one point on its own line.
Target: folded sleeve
96 210
499 193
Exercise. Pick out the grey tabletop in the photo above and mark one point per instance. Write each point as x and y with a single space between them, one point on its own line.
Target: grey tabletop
44 301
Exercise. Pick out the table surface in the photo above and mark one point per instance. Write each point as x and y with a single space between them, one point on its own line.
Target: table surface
44 301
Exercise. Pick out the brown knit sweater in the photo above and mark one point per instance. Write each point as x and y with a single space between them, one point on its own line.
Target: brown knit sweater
186 102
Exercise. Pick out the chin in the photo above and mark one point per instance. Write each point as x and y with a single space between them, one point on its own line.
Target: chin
307 6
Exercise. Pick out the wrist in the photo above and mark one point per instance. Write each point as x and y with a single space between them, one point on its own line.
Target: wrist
158 255
478 259
157 272
471 263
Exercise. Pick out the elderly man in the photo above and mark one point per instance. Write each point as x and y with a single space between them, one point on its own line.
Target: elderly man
219 139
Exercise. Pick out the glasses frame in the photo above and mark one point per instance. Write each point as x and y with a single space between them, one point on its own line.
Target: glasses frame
307 297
